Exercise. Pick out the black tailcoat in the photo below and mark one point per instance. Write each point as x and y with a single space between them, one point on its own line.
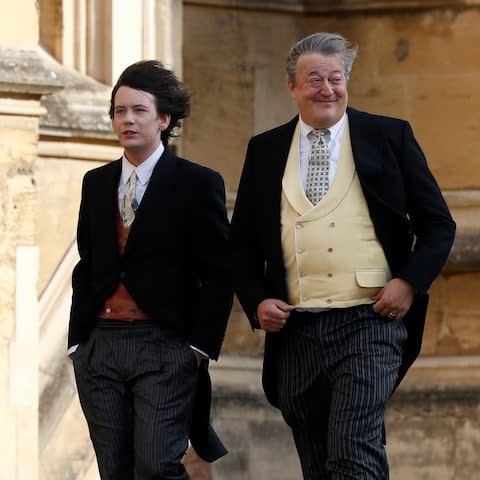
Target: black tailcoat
174 265
409 214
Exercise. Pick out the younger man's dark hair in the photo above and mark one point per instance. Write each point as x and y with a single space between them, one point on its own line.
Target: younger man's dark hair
171 95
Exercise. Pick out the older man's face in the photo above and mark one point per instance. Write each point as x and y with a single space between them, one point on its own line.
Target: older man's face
320 89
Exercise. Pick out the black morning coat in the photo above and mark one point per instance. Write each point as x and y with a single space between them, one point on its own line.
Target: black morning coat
175 264
409 214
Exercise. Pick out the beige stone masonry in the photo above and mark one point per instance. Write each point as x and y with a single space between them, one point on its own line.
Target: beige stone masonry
19 369
24 364
330 7
23 82
19 24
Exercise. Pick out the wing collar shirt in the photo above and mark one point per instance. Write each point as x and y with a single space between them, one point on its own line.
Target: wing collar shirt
336 136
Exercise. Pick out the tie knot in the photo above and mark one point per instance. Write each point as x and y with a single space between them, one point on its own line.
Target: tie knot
132 177
320 134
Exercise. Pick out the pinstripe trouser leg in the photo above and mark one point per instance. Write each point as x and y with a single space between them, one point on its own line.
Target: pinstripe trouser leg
336 372
136 386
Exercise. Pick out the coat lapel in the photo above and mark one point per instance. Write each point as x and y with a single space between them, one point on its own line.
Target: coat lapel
283 143
158 196
273 182
105 206
366 147
374 162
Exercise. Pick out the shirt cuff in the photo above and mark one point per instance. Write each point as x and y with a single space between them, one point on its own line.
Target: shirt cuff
201 352
72 349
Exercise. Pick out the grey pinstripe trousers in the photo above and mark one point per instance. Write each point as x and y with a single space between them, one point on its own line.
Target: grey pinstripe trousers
336 372
136 384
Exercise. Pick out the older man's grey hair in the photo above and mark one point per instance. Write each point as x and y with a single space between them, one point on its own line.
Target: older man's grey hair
325 44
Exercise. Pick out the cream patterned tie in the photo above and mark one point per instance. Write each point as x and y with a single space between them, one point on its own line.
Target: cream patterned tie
318 165
130 203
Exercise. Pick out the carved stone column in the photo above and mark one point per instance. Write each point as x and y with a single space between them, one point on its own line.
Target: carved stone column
24 81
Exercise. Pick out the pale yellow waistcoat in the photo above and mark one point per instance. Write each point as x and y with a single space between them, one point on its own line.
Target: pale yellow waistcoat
331 252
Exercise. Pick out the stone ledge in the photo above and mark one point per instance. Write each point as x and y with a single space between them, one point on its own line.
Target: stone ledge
433 376
238 379
80 110
332 7
24 72
465 208
77 150
465 254
443 376
76 106
463 198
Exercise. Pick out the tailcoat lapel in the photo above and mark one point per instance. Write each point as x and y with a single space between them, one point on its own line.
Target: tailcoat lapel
367 150
273 176
103 208
376 167
156 202
158 196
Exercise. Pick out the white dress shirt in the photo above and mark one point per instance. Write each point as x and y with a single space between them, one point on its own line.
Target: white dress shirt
143 171
336 136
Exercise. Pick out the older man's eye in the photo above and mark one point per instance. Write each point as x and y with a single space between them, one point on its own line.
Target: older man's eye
314 82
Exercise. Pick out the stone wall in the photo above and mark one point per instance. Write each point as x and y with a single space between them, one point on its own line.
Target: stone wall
234 63
433 432
24 80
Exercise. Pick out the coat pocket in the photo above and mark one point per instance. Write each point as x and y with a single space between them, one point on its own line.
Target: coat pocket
371 278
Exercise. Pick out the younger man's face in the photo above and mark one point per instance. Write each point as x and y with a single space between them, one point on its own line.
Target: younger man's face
137 124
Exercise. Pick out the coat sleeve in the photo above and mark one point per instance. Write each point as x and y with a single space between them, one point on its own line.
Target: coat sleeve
249 259
432 225
81 275
213 268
